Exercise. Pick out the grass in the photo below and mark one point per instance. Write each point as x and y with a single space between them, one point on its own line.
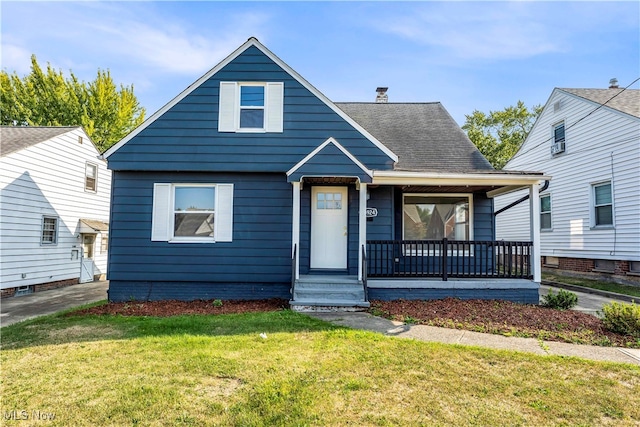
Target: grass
218 370
594 284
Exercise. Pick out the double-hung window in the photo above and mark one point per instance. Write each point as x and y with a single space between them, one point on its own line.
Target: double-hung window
91 177
545 212
602 204
192 212
251 107
49 234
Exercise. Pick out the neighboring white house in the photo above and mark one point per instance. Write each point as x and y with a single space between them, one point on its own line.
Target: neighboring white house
54 209
588 141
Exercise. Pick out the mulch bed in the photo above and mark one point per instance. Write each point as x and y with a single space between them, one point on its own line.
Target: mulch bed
505 317
176 308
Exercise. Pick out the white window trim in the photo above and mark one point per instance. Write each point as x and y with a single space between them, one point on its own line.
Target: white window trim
86 175
415 252
273 107
550 212
55 235
172 223
592 210
163 214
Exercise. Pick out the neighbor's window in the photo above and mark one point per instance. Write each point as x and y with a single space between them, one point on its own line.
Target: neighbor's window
194 211
545 212
634 267
90 177
434 217
552 261
558 133
104 243
605 265
602 204
49 230
251 107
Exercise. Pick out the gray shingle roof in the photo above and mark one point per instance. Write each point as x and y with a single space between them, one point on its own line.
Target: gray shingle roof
627 101
16 138
423 135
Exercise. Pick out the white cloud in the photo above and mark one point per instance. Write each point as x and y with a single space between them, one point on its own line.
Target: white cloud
15 58
470 31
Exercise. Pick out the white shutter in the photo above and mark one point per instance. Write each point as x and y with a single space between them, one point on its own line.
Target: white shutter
227 107
161 217
224 213
275 106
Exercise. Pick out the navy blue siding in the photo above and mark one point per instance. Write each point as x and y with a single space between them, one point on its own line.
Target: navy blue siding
381 227
330 161
186 136
515 294
260 253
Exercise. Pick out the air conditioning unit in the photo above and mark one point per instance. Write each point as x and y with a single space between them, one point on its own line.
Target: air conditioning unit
557 147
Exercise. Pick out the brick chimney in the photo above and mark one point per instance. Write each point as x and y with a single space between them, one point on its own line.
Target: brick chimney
613 83
381 96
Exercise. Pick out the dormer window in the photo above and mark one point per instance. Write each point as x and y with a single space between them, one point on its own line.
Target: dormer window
251 107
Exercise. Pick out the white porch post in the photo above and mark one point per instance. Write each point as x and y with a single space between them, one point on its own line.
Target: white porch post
295 232
362 227
534 210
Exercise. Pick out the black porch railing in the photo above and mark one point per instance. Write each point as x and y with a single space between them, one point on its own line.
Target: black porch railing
449 258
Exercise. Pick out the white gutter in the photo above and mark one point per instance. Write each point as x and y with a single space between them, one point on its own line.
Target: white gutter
512 182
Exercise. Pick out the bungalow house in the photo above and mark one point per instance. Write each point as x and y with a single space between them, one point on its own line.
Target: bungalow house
54 209
252 184
589 141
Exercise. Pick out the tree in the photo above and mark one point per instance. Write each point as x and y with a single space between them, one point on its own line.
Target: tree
47 98
500 134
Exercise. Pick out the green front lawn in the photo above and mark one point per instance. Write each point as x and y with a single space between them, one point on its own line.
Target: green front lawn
218 370
633 291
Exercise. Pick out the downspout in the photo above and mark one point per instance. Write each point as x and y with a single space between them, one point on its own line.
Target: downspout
522 199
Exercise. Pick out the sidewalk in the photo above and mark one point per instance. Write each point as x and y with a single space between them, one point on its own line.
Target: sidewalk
365 321
17 309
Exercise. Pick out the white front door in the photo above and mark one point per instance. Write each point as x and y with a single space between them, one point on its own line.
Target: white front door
329 220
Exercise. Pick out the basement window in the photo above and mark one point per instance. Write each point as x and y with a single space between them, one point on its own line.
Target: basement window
605 265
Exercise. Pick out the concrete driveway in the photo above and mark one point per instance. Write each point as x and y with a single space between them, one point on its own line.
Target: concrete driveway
587 302
17 309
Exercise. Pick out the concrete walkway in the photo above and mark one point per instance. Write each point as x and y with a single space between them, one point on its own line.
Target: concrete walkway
17 309
365 321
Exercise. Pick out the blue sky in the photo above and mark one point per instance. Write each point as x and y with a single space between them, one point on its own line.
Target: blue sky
467 55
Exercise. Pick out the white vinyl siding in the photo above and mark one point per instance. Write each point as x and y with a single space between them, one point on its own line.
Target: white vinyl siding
47 179
164 211
605 147
229 108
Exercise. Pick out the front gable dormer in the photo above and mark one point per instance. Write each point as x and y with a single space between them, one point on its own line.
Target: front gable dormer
250 113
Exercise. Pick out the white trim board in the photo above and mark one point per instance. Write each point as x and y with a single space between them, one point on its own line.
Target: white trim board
251 42
319 148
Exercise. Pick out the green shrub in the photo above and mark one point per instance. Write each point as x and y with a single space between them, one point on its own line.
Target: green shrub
622 318
563 300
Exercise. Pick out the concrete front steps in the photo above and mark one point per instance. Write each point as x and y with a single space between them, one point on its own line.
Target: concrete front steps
328 293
